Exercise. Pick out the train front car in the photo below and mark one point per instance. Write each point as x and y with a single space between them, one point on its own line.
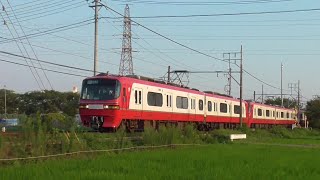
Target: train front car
100 102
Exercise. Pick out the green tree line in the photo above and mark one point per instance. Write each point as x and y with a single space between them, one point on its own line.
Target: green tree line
48 101
312 109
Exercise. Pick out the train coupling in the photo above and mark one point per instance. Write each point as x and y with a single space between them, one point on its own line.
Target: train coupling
96 122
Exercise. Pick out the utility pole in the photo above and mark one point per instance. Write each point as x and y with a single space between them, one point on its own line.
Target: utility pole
241 85
96 11
298 95
5 101
281 86
229 73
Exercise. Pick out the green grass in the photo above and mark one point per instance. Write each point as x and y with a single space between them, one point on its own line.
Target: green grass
219 161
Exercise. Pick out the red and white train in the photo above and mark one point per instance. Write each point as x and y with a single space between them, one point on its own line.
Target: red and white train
109 101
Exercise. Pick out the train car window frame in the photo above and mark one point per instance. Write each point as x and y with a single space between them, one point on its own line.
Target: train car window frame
282 115
288 115
135 96
193 103
100 89
169 104
155 99
236 109
182 102
209 106
268 113
140 97
200 104
259 112
223 107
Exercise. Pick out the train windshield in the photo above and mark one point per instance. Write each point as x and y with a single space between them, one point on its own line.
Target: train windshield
100 89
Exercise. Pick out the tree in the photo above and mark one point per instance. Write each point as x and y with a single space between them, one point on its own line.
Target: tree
12 101
313 112
40 101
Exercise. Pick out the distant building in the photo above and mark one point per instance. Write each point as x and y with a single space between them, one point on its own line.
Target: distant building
74 89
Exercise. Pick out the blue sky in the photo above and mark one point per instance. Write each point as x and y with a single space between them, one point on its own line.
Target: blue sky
267 39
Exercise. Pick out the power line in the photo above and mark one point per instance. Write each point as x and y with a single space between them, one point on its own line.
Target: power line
44 68
187 47
55 30
29 43
22 53
169 39
49 13
199 3
65 66
32 8
223 14
179 62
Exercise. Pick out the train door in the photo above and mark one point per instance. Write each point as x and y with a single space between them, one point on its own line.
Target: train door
205 109
169 106
124 101
192 112
138 102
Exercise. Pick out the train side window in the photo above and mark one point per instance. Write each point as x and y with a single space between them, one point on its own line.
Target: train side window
236 109
268 113
200 105
209 106
259 112
223 107
140 97
182 102
193 103
136 96
170 100
288 116
154 99
282 115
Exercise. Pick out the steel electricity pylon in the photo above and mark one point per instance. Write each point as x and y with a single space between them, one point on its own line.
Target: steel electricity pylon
126 65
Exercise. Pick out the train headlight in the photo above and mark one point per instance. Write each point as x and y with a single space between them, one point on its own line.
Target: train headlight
116 107
83 106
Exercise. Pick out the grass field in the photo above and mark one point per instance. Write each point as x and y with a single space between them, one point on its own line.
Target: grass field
217 161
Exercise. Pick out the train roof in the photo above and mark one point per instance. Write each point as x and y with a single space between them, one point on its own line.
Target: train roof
271 106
